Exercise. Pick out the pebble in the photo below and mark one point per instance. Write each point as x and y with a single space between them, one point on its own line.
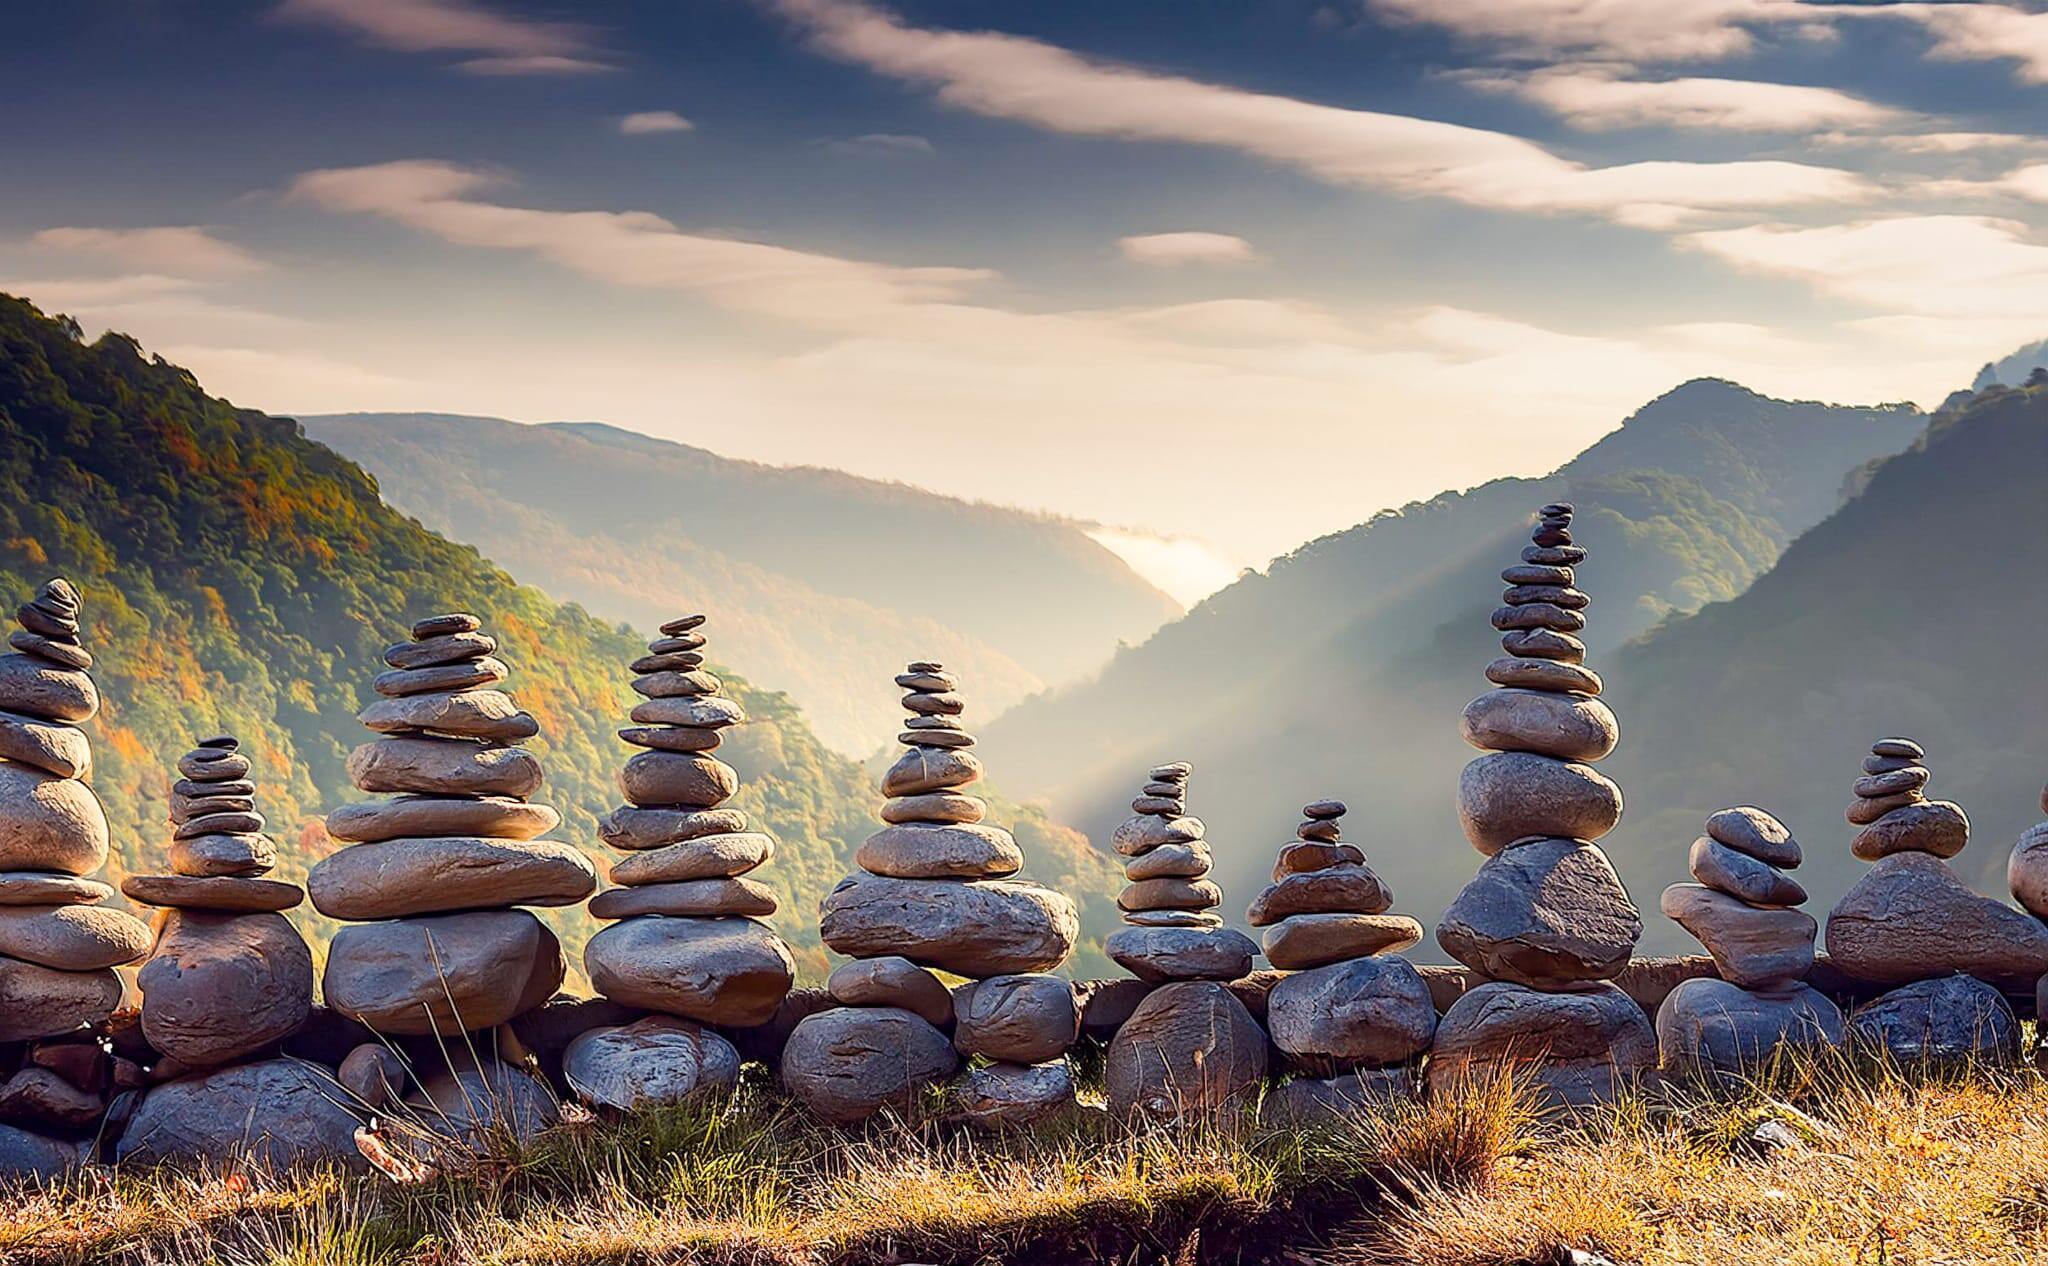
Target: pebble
1543 674
1538 615
222 893
1314 940
1170 894
1508 796
1142 833
448 767
687 781
1556 595
1741 876
1863 812
1898 747
708 712
1159 806
672 738
1555 556
1543 644
1885 764
1014 1096
468 675
941 704
445 625
476 714
930 683
690 898
1343 890
1307 855
1173 918
235 855
926 769
1170 861
1748 829
1323 810
445 648
683 624
708 857
1931 826
1528 574
1158 954
631 828
944 806
236 822
1892 782
1570 727
38 888
676 685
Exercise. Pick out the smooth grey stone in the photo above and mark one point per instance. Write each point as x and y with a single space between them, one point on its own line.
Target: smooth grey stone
72 937
1865 810
1556 595
673 778
38 1001
1939 827
1751 831
1540 643
245 856
683 625
732 973
681 650
1898 747
43 888
1189 1051
49 823
1891 782
1138 834
227 894
1707 1024
1177 771
932 682
1568 726
374 1075
935 738
708 857
935 722
185 809
687 898
470 675
1756 947
33 686
1173 918
848 1063
2026 871
936 807
1508 796
1533 574
633 828
673 738
1304 856
979 928
1324 810
1170 894
445 874
1160 806
1366 1011
670 684
485 1108
674 661
1911 918
27 1155
1013 1096
1159 954
1338 890
1741 876
1174 789
1305 941
1026 1018
1310 1102
47 624
704 712
1543 674
957 851
923 769
445 974
191 789
1319 830
1885 764
233 822
498 817
443 625
222 986
1548 913
278 1113
1579 1047
477 714
51 746
653 1062
444 648
1170 861
1554 555
1538 615
891 982
1952 1020
934 703
445 767
59 651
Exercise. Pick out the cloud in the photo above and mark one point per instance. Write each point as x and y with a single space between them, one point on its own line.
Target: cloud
1625 30
173 250
654 122
1599 98
633 248
1978 32
1029 81
1170 249
1932 142
501 44
882 143
1188 570
2029 182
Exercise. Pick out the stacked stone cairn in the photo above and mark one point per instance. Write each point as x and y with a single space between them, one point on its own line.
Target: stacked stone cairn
1912 921
2026 873
1744 909
230 975
1191 1048
688 942
1546 919
1350 1016
935 896
432 873
58 943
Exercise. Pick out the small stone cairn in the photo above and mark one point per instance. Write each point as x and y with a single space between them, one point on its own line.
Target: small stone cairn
2026 873
441 862
230 975
58 945
1349 1011
1190 1048
1911 917
1546 919
934 895
689 942
1744 910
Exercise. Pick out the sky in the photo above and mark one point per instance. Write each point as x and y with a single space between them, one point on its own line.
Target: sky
1218 276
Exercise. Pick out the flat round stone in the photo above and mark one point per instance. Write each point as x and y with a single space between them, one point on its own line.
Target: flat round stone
1533 574
1538 615
927 769
846 1064
33 686
1173 918
1543 674
1554 556
1707 1022
1574 1048
1314 940
1508 796
1160 806
1160 954
674 778
960 851
225 893
38 888
444 875
942 806
1336 890
705 712
978 927
683 624
499 817
672 661
673 738
633 829
1170 861
1898 747
676 685
1570 727
477 714
1170 894
59 651
1748 829
445 648
727 972
1891 782
1023 1018
50 746
689 898
37 1001
934 703
232 822
1556 595
1177 771
1543 644
1304 856
446 767
1866 810
205 855
1141 834
446 974
1939 827
73 937
1885 764
1371 1011
1319 830
469 675
932 682
935 738
707 857
444 625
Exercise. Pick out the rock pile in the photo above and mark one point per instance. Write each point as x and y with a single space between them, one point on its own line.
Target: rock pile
1191 1047
442 860
229 974
1546 918
688 941
1744 910
1348 1005
1911 917
58 944
935 895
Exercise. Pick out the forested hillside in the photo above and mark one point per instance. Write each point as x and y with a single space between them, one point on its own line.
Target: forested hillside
825 583
238 576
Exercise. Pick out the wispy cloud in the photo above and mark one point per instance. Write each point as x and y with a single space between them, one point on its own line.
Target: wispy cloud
1187 247
654 122
1979 32
1600 97
1011 77
171 250
1625 30
881 143
499 43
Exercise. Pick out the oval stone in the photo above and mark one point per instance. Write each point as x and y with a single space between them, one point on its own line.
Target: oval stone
1543 674
498 817
1366 1012
208 855
708 857
447 767
1939 827
1568 726
1707 1023
222 986
1748 829
1742 876
1508 796
692 898
653 1062
1189 1050
72 937
917 851
37 1001
477 714
1315 940
632 829
1170 861
1026 1018
981 927
679 779
36 687
445 974
49 823
225 893
1338 890
729 972
848 1063
38 888
922 769
942 806
444 874
891 982
51 746
1579 1047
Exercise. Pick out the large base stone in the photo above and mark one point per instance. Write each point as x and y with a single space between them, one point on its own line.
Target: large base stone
1508 796
1014 1096
1022 1019
37 1001
1911 918
976 928
1708 1024
1189 1050
1369 1011
447 974
222 986
650 1062
1953 1020
1547 913
49 823
728 972
276 1113
1579 1047
849 1063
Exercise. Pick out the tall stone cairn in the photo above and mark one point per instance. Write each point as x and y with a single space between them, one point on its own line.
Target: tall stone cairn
230 975
689 941
1911 917
448 852
1744 909
934 895
1348 1005
1546 919
1191 1048
58 944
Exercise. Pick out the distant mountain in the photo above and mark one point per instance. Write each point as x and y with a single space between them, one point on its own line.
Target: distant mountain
2013 370
238 576
1342 669
824 583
